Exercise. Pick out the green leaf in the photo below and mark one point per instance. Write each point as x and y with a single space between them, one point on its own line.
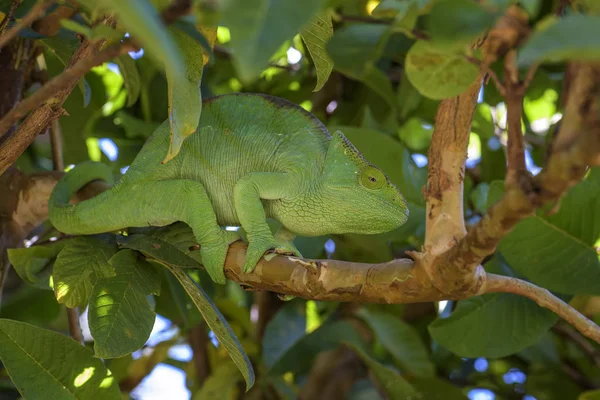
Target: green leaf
437 74
135 128
47 365
401 340
436 389
140 19
394 386
221 383
457 22
76 27
30 263
479 197
217 323
185 97
354 49
558 251
397 8
259 27
63 45
315 36
119 316
590 395
78 267
299 358
284 331
378 82
493 325
573 37
131 77
416 134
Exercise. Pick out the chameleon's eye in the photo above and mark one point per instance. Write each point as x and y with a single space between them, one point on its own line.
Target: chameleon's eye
371 177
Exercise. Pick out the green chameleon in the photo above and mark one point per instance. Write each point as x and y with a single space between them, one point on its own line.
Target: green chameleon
253 157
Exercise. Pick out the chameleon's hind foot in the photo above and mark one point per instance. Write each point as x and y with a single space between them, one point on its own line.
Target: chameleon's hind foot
259 247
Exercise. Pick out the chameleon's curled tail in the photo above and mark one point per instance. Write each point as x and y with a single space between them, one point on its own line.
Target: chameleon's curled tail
79 218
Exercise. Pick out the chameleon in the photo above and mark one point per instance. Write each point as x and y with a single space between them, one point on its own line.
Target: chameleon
253 157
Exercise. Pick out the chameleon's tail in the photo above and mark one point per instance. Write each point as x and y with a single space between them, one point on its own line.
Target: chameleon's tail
86 217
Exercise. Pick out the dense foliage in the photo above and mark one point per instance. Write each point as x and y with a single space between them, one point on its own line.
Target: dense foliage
377 70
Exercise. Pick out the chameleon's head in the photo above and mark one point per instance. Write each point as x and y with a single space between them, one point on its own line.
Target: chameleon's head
364 198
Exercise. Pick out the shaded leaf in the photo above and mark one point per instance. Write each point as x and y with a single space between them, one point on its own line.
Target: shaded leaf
30 262
134 127
394 386
299 358
283 331
401 340
221 384
493 325
455 22
437 74
141 20
590 395
60 367
217 323
315 36
78 267
259 27
573 37
119 315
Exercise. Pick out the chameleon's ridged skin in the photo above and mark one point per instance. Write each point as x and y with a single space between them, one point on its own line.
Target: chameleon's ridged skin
253 156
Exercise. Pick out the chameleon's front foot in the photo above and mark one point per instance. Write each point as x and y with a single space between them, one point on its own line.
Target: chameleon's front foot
214 255
258 247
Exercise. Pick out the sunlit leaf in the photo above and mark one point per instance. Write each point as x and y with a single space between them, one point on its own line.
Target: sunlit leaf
401 340
131 78
119 315
217 323
48 365
315 36
438 74
78 267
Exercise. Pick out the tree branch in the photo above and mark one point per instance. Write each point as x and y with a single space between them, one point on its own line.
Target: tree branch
504 284
36 12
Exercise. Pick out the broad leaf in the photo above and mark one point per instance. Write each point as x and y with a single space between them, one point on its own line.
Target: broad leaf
557 251
185 97
284 331
259 27
590 395
455 22
315 36
573 37
493 325
119 315
438 74
221 384
401 340
394 386
78 267
217 323
299 358
31 263
47 365
141 20
131 77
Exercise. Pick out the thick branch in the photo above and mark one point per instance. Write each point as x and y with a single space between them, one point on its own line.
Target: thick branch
503 284
36 12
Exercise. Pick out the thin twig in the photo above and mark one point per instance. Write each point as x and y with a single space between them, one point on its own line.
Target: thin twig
530 75
36 12
516 173
569 333
8 17
38 120
490 72
57 160
543 297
